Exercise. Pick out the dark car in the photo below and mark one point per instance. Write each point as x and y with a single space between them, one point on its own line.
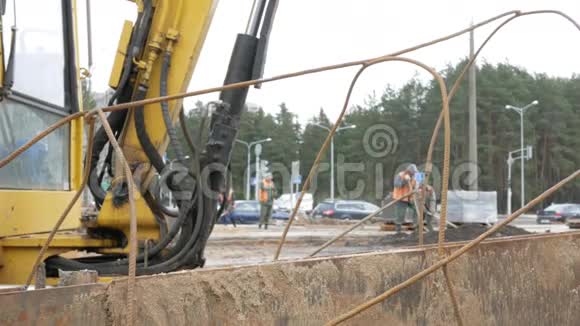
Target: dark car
344 209
248 212
557 213
573 221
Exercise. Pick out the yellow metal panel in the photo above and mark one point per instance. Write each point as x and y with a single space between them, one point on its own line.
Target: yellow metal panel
121 53
76 126
18 263
19 253
29 211
118 218
62 240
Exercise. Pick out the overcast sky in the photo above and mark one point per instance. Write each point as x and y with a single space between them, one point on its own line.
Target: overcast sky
310 33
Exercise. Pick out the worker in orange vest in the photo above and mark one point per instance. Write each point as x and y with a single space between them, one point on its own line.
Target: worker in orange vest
267 193
404 183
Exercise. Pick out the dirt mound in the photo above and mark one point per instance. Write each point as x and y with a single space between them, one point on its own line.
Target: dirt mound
461 233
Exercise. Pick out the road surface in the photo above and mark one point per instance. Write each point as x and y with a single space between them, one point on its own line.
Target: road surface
247 244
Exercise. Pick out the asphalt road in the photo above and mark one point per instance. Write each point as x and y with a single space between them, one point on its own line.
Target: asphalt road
528 222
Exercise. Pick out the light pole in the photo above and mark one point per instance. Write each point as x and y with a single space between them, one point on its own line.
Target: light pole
249 146
332 154
510 161
527 154
521 111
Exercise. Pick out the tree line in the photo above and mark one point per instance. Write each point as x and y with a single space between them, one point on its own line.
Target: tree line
401 121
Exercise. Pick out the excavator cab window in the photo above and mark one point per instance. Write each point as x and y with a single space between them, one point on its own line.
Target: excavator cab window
41 93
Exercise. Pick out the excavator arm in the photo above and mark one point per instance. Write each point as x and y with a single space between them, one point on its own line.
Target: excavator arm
156 56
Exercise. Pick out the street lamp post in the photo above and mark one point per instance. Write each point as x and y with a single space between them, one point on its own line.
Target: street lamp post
527 154
249 147
521 111
510 161
332 154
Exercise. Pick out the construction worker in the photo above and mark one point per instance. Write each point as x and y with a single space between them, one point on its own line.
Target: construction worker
430 206
403 184
267 192
227 200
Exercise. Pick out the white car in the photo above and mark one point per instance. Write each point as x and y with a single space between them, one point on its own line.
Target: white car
286 202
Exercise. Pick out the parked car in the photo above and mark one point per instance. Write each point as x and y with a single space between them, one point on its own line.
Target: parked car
557 213
573 220
248 212
344 209
286 202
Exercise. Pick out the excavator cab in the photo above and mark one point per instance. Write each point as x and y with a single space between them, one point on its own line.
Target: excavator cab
39 87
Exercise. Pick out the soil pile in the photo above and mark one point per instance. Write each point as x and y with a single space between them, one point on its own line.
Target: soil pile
461 233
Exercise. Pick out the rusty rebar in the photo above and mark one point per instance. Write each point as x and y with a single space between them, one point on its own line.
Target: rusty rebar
128 105
133 219
452 93
456 254
359 223
324 146
69 118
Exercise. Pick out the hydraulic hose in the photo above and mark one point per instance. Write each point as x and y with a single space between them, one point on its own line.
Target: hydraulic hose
175 261
182 254
158 164
171 132
142 135
100 140
180 223
138 38
198 214
157 213
183 223
117 121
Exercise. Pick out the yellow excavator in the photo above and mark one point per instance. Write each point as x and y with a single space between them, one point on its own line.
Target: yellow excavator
41 83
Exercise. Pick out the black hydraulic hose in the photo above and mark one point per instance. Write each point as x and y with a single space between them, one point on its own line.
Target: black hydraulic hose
178 260
205 217
140 32
111 268
181 223
172 259
142 135
162 244
187 233
117 120
214 180
184 255
157 213
171 132
138 114
100 140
